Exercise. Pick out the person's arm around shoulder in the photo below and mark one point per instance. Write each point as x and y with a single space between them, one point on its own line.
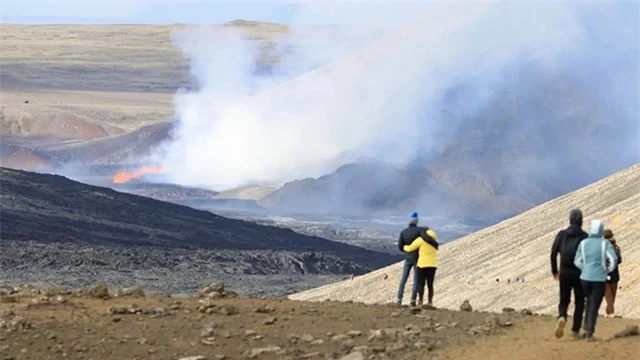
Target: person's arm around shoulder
431 238
414 245
555 248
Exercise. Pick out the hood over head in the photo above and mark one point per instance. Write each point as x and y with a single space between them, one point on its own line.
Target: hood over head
597 228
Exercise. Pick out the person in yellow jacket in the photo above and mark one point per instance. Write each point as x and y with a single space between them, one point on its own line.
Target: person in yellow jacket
426 266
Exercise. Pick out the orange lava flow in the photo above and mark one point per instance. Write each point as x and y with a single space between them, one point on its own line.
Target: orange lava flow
124 176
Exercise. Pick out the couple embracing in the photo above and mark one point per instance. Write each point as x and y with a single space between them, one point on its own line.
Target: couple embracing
421 249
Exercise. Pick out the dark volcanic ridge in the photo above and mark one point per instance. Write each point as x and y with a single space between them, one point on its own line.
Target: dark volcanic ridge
82 230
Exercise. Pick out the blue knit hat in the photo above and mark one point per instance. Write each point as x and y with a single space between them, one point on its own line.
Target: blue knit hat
414 218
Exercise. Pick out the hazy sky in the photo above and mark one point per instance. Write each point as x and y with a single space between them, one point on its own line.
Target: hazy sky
202 11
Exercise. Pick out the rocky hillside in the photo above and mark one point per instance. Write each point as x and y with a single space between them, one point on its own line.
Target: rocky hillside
484 266
81 230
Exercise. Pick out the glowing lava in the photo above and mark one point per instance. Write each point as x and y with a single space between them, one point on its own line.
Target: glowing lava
124 176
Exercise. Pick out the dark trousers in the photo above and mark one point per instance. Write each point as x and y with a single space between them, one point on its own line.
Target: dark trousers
423 275
408 265
594 290
568 282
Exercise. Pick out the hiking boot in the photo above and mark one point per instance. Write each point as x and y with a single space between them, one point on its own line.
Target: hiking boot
577 335
590 338
399 302
560 326
412 304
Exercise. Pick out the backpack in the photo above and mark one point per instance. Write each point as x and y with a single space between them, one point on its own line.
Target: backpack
568 248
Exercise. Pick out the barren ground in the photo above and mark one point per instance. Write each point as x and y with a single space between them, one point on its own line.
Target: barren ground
81 327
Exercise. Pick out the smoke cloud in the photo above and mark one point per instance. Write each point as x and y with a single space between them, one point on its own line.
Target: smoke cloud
374 89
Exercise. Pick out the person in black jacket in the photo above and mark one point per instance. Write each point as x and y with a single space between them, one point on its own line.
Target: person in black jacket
406 237
566 244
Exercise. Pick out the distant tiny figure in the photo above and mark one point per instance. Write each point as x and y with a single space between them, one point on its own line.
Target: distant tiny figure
352 276
385 276
614 276
508 281
497 280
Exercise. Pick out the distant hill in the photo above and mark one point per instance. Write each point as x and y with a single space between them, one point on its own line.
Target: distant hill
518 247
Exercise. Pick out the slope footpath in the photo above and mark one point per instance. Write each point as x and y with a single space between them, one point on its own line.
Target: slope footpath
517 247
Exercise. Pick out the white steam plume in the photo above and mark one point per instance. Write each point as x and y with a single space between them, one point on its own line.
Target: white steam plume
369 100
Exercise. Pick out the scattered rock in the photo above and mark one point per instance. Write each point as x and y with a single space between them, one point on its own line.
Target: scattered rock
98 291
466 306
208 341
293 338
362 348
159 311
134 291
424 345
526 312
206 307
228 310
508 310
80 348
263 350
270 321
174 305
213 287
317 342
311 355
631 330
356 355
354 333
339 337
265 310
376 335
209 329
198 357
395 347
113 310
478 329
306 338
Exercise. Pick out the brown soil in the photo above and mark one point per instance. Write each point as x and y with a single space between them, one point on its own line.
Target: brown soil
83 328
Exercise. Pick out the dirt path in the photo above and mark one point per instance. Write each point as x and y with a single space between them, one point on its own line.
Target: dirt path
35 324
534 338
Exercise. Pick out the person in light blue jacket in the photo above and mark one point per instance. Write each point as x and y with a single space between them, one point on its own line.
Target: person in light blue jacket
596 258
